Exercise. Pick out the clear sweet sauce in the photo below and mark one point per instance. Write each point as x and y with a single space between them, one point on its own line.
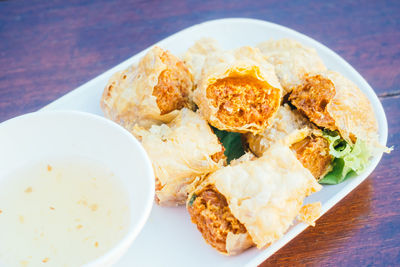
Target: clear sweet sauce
60 213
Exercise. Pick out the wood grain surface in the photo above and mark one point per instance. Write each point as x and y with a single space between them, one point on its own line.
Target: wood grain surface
48 48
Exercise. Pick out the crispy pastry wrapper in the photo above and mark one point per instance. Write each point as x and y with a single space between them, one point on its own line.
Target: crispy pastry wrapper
310 213
237 243
149 92
181 153
285 123
248 156
347 107
238 91
265 194
352 111
195 56
291 60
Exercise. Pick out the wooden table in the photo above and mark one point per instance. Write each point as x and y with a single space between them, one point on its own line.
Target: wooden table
48 49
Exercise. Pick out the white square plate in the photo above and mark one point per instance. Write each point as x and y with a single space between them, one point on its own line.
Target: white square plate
169 238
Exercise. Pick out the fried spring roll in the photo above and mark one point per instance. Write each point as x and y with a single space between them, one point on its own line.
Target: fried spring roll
238 91
333 102
291 60
285 123
253 202
182 152
195 56
150 92
312 150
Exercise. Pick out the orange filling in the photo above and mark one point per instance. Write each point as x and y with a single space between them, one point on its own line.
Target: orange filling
312 98
210 212
313 153
174 85
243 100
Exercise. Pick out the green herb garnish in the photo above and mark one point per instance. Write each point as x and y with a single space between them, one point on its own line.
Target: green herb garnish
232 143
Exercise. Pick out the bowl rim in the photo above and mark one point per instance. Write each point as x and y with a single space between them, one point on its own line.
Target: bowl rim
135 227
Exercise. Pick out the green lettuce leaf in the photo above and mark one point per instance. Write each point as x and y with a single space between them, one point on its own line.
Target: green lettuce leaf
232 143
338 174
348 159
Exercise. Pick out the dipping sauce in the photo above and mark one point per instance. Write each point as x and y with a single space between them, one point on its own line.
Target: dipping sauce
60 213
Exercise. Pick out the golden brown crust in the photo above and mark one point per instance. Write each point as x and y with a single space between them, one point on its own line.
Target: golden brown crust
311 150
264 194
195 56
182 153
310 213
285 122
173 87
334 102
238 91
313 153
248 156
292 61
352 111
148 93
210 212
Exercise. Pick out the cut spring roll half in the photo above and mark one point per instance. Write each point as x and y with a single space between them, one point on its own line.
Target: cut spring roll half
150 92
253 202
333 102
337 105
209 210
313 153
312 150
238 91
181 152
291 60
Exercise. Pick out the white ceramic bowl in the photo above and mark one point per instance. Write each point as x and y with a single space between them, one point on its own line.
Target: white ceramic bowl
46 135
